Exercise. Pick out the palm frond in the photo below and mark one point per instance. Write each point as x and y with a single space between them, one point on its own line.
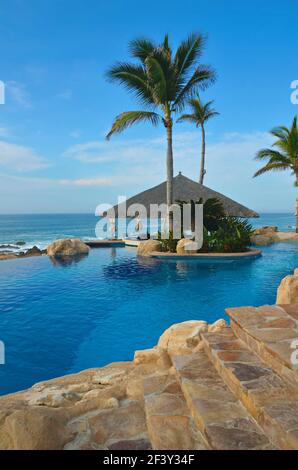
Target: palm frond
202 112
134 79
280 132
201 79
188 117
188 53
140 48
270 154
127 119
157 78
166 45
271 167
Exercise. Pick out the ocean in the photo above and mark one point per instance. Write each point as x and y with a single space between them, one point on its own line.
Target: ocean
42 229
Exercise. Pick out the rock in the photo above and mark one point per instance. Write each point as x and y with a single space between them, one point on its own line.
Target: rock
146 356
287 292
182 338
67 247
266 230
35 251
4 256
262 239
217 326
147 247
186 247
34 428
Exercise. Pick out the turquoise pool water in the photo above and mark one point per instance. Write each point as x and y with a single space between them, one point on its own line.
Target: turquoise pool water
57 318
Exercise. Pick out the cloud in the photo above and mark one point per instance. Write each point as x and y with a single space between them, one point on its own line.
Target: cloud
20 158
87 182
79 182
18 93
228 146
122 151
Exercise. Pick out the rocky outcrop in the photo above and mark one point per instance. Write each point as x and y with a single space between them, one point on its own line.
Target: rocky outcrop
267 230
186 247
67 247
267 235
145 248
34 251
287 292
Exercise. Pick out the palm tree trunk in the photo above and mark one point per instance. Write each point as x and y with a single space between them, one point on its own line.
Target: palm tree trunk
202 171
169 172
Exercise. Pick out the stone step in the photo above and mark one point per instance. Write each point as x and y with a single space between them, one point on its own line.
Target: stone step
266 396
221 418
169 423
271 332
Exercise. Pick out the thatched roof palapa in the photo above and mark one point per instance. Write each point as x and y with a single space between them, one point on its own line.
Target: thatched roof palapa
185 189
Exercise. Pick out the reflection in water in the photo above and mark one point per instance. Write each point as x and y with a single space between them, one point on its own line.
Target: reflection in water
65 261
129 268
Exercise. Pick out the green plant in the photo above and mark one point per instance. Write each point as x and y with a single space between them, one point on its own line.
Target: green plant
286 155
213 213
168 243
232 235
163 82
201 113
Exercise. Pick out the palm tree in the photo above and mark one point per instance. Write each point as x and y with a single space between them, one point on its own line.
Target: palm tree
162 82
201 113
286 155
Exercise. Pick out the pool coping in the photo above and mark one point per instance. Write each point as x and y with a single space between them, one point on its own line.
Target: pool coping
246 254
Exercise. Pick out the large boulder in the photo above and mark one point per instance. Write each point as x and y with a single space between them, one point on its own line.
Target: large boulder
182 338
147 247
186 247
67 247
287 292
267 230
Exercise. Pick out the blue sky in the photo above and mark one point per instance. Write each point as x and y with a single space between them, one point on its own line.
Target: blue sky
53 56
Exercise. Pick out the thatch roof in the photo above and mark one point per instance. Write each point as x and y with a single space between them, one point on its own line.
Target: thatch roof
186 189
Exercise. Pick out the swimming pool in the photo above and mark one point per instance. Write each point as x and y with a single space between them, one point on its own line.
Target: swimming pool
60 318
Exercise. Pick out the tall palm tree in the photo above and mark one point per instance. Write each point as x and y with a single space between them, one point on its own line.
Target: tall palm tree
201 113
286 155
162 82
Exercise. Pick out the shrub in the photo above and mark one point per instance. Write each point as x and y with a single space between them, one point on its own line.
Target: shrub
232 235
168 244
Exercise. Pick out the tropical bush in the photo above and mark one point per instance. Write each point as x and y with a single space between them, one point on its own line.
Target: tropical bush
168 244
232 235
213 212
222 234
